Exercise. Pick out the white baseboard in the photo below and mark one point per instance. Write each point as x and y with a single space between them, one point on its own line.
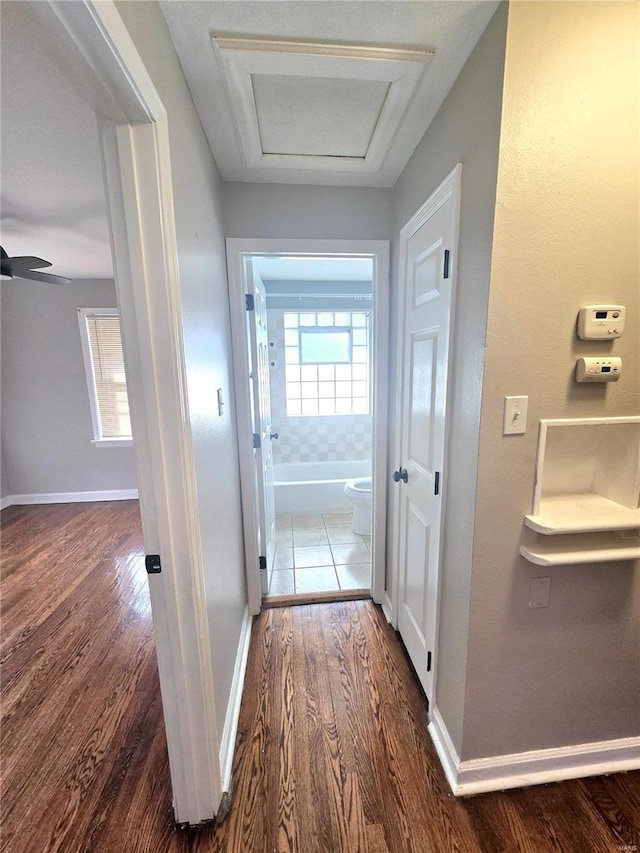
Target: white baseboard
536 767
228 740
449 758
69 497
387 607
5 502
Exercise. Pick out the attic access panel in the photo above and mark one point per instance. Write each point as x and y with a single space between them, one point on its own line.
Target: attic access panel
316 106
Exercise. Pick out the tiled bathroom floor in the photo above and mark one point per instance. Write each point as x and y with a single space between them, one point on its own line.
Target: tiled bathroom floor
319 553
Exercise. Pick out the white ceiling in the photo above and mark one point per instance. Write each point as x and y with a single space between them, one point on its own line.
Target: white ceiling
51 195
292 111
52 202
313 269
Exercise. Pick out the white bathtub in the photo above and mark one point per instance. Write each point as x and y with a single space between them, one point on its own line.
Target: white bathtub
315 486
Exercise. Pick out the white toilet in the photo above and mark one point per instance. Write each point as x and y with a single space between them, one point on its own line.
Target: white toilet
359 493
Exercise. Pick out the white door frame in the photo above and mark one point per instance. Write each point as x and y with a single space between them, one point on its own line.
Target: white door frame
92 47
239 249
450 186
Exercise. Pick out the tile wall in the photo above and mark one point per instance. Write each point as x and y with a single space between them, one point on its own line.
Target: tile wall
323 438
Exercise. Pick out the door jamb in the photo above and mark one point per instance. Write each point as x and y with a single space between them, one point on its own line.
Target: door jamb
378 250
93 48
451 185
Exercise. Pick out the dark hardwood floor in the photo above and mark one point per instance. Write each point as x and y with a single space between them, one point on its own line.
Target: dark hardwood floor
332 749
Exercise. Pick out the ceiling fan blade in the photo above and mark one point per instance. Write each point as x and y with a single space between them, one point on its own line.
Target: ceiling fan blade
42 276
27 262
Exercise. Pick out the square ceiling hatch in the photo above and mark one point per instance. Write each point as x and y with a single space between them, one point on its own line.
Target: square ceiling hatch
299 105
317 116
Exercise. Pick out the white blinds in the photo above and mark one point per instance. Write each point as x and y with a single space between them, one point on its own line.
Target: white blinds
108 372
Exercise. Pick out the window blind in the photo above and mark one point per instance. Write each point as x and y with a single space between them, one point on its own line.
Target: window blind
110 381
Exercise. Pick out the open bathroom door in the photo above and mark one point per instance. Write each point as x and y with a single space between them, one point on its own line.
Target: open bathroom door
258 338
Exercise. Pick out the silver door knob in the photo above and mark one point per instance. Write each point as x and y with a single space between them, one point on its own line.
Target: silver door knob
273 435
401 475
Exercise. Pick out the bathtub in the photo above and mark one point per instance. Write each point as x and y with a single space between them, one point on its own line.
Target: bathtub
315 486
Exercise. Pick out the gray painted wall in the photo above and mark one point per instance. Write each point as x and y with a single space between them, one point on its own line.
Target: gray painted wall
46 419
466 130
566 234
205 307
295 212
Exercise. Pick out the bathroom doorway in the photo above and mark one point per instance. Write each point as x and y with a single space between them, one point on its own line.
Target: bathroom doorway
310 329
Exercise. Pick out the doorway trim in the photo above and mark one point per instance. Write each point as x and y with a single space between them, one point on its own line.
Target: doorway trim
239 249
449 187
92 47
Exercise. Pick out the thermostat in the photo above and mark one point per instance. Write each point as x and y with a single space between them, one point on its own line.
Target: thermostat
600 322
598 369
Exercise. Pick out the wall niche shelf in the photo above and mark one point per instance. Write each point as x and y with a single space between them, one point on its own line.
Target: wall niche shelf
587 492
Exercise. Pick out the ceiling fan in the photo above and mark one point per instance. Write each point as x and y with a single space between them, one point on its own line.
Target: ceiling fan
25 267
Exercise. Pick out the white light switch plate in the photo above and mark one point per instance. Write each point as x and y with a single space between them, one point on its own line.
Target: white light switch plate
539 592
514 421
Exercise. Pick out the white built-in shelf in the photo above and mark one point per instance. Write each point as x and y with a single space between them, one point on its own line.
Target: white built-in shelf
581 513
598 549
587 491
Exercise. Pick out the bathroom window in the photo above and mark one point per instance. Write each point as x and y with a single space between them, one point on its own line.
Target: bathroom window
327 363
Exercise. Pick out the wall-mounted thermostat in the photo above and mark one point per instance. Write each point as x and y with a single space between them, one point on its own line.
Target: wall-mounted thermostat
598 369
600 322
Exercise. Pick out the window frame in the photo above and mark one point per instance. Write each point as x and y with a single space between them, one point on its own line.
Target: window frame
98 440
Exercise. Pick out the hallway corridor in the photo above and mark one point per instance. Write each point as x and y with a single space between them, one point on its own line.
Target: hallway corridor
332 752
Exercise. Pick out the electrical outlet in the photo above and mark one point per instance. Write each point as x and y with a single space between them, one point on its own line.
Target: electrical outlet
539 592
514 420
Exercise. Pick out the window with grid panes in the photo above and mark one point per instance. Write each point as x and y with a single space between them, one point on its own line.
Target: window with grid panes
327 362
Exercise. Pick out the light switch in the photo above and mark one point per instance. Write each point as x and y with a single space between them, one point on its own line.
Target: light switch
539 592
514 421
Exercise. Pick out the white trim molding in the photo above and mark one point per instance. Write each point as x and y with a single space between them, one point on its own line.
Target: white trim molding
239 252
100 58
244 61
69 497
228 739
535 767
6 501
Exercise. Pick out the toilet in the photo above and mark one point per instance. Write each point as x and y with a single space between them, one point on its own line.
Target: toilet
359 493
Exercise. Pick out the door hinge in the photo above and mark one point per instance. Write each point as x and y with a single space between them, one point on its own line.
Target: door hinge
249 301
428 661
256 441
262 564
436 483
445 274
152 564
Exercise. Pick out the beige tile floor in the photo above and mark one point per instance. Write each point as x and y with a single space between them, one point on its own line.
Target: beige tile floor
319 553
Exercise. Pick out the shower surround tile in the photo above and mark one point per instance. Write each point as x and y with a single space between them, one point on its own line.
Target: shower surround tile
324 438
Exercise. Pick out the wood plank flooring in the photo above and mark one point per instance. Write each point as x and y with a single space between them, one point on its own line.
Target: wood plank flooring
332 750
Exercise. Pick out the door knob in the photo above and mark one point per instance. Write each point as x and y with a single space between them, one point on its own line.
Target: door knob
401 475
273 435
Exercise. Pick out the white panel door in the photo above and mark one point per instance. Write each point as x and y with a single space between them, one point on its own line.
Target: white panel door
261 404
426 310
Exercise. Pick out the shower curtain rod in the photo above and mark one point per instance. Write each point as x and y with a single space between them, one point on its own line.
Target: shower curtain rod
366 297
